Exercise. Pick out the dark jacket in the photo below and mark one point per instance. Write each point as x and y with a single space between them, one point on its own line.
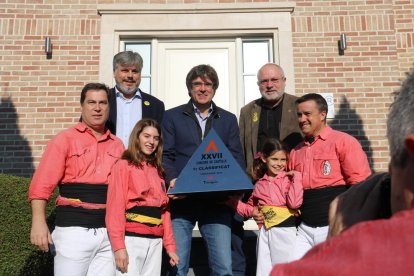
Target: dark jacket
151 108
290 132
182 136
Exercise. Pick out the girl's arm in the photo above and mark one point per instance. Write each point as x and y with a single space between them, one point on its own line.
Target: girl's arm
116 204
294 197
246 209
168 237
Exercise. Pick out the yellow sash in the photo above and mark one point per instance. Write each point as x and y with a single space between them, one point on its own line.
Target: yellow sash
143 219
276 215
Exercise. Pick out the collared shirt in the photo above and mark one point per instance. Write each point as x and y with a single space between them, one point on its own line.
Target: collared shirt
377 247
279 191
202 121
75 156
128 113
130 186
334 158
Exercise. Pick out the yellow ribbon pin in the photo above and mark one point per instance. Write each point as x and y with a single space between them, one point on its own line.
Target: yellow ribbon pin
255 117
147 103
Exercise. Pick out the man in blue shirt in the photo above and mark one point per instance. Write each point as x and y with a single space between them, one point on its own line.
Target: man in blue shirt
184 128
128 104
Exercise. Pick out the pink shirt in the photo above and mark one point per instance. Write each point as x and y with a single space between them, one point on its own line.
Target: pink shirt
75 156
379 247
334 158
130 186
280 191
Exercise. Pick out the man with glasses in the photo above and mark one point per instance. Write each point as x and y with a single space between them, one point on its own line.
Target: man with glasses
271 116
184 128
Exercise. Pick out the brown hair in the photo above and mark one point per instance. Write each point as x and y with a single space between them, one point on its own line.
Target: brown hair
270 146
134 154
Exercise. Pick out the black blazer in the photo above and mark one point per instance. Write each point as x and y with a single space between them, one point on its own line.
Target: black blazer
151 108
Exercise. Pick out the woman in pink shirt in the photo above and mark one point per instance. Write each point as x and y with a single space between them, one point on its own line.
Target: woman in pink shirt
277 194
137 217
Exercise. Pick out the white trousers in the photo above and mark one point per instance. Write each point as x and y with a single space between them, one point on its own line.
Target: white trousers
82 251
274 246
144 256
307 238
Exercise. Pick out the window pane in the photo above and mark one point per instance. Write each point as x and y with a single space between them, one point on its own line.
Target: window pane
251 90
144 49
145 85
255 55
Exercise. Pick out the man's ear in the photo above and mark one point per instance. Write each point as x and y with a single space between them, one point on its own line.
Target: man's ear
409 144
323 115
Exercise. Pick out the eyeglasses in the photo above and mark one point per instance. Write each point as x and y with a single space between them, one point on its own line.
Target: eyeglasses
274 81
199 84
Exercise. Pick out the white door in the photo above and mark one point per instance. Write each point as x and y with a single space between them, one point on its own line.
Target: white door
172 61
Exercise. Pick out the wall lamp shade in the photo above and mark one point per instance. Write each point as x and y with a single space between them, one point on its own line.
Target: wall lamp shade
343 41
48 46
342 44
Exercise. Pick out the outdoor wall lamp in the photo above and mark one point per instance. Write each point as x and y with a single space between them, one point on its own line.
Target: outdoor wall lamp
48 47
342 44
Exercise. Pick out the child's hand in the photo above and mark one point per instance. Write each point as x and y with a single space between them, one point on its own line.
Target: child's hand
174 259
258 215
122 259
291 173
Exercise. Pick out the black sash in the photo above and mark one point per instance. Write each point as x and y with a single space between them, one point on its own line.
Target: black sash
315 207
77 216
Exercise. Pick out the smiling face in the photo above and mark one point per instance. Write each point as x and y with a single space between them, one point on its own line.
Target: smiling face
272 82
149 139
276 162
128 79
95 110
311 120
202 92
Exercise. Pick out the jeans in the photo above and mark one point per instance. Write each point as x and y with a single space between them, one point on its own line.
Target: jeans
215 228
237 251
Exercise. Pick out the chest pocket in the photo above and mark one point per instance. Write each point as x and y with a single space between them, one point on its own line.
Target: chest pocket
325 165
79 160
106 161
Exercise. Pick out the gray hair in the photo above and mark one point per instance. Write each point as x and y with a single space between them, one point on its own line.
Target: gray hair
271 64
128 58
400 122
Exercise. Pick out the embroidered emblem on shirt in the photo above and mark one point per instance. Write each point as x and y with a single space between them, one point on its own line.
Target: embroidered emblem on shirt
255 117
326 167
147 103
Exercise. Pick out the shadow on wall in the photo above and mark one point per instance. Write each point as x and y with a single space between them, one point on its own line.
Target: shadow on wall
347 120
15 152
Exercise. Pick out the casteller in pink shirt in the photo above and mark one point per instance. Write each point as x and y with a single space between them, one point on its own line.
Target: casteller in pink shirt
335 158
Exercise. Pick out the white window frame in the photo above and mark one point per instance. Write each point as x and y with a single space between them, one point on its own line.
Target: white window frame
197 20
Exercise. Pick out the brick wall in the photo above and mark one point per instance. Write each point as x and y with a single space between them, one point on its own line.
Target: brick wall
39 96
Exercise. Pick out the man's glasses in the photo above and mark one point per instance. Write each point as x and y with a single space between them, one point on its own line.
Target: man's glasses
274 81
199 84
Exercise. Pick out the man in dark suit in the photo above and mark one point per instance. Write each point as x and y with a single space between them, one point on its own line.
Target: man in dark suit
184 128
128 104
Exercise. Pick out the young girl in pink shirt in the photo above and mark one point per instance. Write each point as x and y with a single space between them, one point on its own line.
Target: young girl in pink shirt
277 194
137 217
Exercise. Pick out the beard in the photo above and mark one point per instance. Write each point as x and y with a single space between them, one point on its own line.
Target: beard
276 96
126 90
